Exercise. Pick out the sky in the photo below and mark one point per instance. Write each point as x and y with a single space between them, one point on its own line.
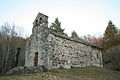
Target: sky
83 16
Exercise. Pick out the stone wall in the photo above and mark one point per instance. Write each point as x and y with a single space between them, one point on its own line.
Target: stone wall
67 52
38 42
25 70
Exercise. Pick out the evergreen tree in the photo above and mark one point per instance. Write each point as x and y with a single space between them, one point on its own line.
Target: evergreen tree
74 35
56 27
109 37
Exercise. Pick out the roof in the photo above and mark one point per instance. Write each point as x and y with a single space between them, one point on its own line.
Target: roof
76 40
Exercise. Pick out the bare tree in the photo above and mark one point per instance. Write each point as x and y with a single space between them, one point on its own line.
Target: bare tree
94 40
10 42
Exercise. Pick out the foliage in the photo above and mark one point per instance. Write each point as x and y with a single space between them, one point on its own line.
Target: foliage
111 58
85 73
94 40
56 27
111 45
10 42
111 36
74 35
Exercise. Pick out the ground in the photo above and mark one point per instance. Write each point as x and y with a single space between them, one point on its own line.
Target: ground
85 73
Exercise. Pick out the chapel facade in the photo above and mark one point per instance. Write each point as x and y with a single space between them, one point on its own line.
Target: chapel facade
52 50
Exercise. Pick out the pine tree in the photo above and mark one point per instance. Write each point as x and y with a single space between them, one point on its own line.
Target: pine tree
109 37
74 35
110 31
56 27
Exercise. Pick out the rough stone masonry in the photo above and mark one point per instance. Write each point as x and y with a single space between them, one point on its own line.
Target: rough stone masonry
52 50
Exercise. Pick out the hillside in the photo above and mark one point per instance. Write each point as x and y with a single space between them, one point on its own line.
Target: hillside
88 73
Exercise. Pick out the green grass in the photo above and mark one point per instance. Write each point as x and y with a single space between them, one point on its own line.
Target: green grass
86 73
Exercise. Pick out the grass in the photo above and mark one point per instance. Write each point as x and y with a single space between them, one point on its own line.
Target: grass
86 73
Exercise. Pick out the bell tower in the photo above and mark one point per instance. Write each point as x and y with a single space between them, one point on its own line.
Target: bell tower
36 49
40 24
40 33
40 19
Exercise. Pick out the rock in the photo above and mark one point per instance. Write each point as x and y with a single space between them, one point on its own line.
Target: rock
25 70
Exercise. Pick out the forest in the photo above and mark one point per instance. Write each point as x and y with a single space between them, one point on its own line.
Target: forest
12 48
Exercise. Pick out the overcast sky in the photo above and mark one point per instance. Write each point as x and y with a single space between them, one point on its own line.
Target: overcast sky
83 16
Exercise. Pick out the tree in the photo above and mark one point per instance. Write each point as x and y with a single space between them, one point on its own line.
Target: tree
56 27
109 38
111 58
94 40
10 42
8 30
74 35
110 31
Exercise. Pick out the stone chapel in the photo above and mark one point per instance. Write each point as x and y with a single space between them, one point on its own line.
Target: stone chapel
52 50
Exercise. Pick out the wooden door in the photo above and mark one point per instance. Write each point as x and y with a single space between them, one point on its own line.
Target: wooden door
36 59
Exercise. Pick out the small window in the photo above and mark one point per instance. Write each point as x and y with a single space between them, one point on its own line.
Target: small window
40 18
36 21
97 55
